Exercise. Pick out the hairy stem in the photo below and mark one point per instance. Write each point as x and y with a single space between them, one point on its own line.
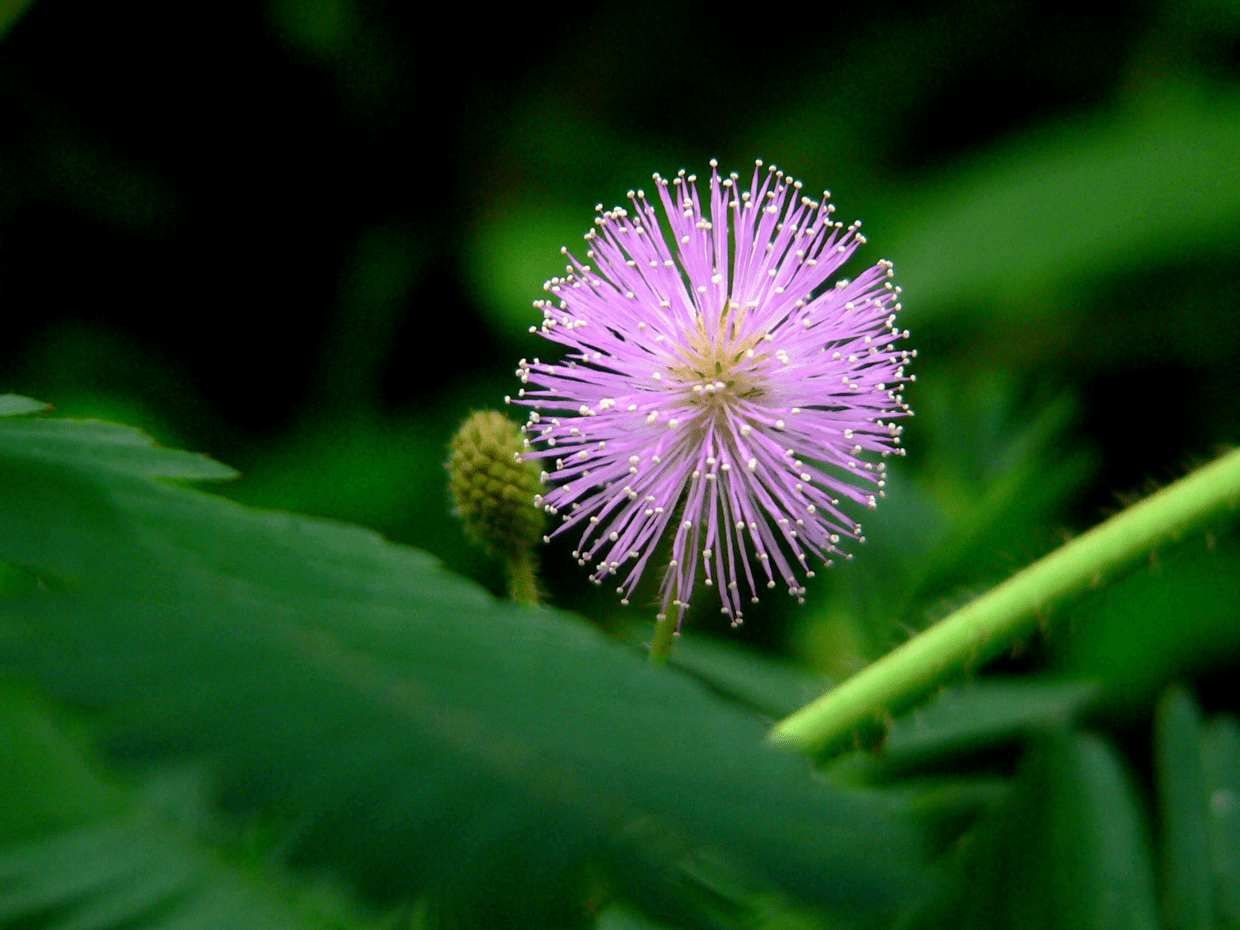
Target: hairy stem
1001 617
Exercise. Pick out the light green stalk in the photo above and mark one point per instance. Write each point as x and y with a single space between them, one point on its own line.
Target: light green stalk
1011 611
664 637
522 583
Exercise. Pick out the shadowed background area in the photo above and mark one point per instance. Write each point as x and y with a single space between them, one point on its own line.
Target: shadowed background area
304 237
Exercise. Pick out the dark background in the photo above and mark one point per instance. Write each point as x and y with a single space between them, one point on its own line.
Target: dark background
304 237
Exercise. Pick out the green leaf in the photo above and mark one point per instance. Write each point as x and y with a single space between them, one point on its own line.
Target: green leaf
1220 752
414 733
994 479
12 405
1187 893
753 680
980 716
994 482
1174 618
107 446
1067 849
946 808
81 851
45 785
1009 233
130 872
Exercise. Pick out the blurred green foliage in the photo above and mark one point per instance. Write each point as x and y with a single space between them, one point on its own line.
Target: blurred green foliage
304 236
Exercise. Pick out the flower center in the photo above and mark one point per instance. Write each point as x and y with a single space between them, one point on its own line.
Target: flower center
722 365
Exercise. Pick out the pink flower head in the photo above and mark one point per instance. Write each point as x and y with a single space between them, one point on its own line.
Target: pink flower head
716 387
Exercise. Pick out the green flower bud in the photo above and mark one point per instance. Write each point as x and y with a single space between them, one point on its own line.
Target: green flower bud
493 490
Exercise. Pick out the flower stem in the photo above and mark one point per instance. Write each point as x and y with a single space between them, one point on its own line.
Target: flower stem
664 636
1001 617
521 583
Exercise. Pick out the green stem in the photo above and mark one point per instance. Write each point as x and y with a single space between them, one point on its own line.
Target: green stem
521 583
664 636
1001 617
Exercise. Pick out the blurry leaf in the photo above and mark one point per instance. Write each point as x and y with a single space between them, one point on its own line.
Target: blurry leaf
1100 858
80 852
386 473
417 733
1155 624
722 899
514 255
324 27
981 715
945 809
15 405
991 479
368 58
1186 848
91 178
1220 752
942 805
132 873
920 765
620 918
1009 233
960 728
45 785
98 371
977 505
567 158
762 683
1066 850
374 298
10 12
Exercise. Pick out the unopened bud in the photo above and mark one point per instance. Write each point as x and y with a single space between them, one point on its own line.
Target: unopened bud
492 488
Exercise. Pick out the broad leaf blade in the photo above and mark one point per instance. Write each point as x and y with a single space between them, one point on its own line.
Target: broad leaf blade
420 734
108 446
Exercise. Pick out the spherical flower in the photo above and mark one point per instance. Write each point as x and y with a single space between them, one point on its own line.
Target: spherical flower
717 387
